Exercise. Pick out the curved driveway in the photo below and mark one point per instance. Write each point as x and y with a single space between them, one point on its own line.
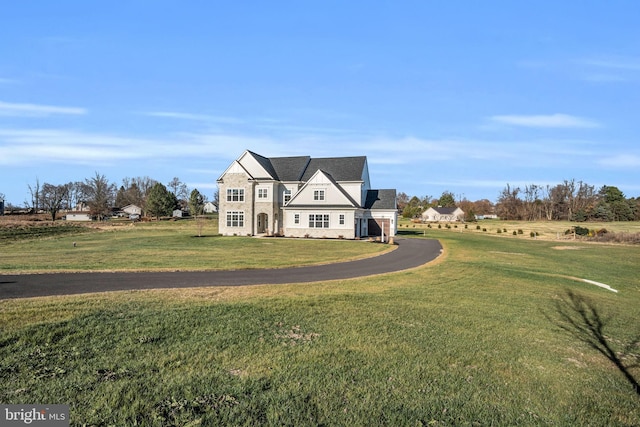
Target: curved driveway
410 253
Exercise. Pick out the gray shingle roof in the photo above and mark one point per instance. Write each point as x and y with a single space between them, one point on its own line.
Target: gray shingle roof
445 211
302 168
340 168
381 199
289 168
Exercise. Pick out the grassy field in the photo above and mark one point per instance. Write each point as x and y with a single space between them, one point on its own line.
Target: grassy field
160 246
482 336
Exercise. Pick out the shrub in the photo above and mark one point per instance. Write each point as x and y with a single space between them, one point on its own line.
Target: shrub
515 233
484 229
520 231
477 227
499 231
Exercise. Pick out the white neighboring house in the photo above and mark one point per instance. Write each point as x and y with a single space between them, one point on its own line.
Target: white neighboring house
177 213
443 214
78 216
132 210
304 197
209 208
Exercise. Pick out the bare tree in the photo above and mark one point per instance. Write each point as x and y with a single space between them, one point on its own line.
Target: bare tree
178 188
100 194
35 196
52 198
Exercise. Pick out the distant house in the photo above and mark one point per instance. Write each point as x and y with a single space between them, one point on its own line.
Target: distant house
178 213
78 216
210 208
304 197
132 210
443 214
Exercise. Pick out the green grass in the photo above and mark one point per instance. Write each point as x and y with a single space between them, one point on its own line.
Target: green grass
471 339
167 246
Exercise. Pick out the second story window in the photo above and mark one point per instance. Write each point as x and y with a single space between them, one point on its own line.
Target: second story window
318 195
235 194
263 193
287 196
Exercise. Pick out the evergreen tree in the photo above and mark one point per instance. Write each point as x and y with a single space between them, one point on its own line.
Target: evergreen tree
160 201
196 203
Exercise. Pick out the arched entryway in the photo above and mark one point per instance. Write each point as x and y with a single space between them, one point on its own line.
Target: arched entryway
263 223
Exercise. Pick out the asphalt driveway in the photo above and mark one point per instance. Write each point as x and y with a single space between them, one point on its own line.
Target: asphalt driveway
410 253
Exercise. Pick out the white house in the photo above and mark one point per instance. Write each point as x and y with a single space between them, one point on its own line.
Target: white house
209 208
304 197
78 216
132 210
443 214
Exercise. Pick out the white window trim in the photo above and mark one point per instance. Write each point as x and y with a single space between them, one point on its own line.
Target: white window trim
239 194
239 220
263 193
318 195
319 221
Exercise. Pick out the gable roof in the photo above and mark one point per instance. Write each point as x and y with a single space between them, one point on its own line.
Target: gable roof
340 168
319 175
289 168
302 168
381 199
445 211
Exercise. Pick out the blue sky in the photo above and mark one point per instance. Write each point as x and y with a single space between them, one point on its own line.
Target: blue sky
460 96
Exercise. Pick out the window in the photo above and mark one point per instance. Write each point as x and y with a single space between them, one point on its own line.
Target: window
262 193
318 194
296 219
341 219
319 221
235 219
235 194
287 196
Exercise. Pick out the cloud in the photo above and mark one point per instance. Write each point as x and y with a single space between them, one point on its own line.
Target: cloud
38 110
193 117
630 161
616 64
546 121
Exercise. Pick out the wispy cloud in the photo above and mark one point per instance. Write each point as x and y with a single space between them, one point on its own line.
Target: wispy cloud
194 117
631 64
626 161
546 121
38 110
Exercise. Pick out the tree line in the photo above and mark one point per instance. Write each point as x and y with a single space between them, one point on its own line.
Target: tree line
99 197
570 200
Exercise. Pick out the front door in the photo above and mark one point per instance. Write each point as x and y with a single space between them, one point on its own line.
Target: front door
263 223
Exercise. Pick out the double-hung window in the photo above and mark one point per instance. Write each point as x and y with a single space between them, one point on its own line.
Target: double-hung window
235 218
263 193
341 219
318 195
296 218
235 194
287 196
318 220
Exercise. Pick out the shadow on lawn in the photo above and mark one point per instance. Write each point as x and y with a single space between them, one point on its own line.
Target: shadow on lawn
580 318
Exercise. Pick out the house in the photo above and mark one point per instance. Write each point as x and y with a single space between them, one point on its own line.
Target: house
132 210
304 197
178 213
443 214
78 216
209 208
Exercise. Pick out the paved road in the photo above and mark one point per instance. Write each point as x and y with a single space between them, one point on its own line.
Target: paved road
410 253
